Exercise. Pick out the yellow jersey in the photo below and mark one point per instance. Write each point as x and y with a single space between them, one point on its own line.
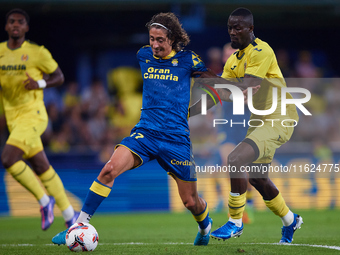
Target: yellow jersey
258 60
14 64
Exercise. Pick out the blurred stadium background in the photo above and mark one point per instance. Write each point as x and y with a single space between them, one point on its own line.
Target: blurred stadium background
95 43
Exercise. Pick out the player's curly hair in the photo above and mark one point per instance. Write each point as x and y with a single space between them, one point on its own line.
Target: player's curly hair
173 27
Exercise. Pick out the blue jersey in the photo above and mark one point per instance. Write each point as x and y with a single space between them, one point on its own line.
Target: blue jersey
167 89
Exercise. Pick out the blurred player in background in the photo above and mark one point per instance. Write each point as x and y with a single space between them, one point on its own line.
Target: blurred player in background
162 132
254 63
23 65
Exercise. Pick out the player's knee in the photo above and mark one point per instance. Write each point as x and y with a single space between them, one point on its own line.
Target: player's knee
6 160
109 171
234 159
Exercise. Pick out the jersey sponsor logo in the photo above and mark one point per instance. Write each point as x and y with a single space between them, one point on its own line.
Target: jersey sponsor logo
258 49
13 67
232 68
147 61
181 163
24 57
159 74
174 62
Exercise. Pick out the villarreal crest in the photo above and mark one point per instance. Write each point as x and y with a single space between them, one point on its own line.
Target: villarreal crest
24 57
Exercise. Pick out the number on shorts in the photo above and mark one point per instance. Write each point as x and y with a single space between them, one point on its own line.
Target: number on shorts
137 135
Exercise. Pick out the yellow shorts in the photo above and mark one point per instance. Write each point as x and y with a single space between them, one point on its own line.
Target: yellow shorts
25 128
268 138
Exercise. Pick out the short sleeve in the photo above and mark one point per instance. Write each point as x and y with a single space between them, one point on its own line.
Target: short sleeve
197 63
259 62
46 62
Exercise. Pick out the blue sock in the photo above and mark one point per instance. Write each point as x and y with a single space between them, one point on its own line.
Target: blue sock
205 223
92 202
203 218
96 194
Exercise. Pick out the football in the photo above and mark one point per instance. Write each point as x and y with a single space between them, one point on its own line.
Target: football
81 237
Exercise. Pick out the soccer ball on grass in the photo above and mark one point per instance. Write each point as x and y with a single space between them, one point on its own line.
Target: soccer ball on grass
81 237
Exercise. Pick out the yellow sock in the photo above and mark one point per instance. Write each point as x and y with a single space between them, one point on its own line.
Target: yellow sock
236 205
26 177
55 188
278 205
249 195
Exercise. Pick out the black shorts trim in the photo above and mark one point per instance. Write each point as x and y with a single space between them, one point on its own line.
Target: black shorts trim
254 146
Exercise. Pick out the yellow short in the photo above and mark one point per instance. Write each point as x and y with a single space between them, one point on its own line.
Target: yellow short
25 128
269 137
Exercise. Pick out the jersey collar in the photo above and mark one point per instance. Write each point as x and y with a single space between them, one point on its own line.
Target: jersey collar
172 53
240 53
23 44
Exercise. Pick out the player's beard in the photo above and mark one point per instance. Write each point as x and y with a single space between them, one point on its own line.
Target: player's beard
157 51
15 37
235 45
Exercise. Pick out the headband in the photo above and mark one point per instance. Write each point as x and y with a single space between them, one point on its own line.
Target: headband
158 24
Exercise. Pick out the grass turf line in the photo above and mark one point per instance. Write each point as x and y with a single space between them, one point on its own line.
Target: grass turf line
166 233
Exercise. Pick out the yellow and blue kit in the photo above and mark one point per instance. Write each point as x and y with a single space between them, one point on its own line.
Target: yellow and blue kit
163 131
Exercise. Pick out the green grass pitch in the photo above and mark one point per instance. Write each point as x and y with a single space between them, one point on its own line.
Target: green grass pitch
174 233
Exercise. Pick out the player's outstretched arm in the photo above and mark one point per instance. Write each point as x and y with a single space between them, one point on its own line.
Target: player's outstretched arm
54 79
196 107
211 78
224 94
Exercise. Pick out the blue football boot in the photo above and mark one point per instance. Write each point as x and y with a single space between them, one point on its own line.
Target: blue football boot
227 231
203 239
288 232
60 238
47 216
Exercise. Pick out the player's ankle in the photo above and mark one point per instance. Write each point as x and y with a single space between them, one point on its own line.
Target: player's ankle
206 230
237 222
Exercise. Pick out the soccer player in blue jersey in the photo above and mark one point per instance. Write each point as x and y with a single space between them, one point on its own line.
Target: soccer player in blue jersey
162 132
